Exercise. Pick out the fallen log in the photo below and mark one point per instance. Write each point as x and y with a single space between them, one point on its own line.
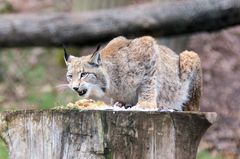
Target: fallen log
95 134
163 19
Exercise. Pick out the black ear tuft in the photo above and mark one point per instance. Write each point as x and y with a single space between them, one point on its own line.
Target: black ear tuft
95 58
94 53
66 56
98 47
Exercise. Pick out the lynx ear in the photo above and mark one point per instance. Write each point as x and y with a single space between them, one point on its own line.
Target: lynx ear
95 59
67 57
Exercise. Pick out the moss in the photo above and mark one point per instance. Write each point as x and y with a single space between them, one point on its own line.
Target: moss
108 153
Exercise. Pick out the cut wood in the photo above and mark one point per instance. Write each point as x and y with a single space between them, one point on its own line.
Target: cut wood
170 18
92 134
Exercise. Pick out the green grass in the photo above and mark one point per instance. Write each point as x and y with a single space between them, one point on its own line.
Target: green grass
206 155
49 100
3 150
37 74
43 101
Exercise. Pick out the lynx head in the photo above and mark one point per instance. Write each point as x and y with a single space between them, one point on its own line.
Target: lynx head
85 75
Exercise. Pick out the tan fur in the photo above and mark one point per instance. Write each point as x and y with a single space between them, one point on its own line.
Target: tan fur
140 72
190 67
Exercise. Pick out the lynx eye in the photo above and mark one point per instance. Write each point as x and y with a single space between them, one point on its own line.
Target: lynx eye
69 76
83 74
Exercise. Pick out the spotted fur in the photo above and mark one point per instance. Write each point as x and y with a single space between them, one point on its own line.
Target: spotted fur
138 72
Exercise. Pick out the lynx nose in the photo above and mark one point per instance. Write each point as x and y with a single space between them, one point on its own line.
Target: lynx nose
75 88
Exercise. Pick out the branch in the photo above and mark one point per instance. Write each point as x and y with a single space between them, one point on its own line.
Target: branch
163 19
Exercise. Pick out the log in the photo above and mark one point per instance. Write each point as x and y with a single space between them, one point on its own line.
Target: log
157 19
105 134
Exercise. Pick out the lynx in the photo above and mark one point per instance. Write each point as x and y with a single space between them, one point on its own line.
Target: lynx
138 72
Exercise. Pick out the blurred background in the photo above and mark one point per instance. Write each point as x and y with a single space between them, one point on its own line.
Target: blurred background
33 77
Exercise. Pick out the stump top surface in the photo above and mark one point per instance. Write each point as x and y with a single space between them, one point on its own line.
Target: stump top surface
211 117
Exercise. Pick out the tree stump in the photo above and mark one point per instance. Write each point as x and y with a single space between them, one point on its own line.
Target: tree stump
103 134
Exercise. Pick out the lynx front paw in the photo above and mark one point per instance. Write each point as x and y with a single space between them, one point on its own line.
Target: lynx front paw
118 104
146 105
166 109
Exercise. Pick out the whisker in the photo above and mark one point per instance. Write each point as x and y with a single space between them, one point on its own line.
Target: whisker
62 87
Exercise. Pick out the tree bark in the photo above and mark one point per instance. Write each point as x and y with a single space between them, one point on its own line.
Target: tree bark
92 134
93 27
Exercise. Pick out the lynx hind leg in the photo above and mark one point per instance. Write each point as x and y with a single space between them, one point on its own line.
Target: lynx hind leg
190 69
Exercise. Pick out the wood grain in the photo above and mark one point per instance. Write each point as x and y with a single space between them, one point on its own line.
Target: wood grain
92 134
